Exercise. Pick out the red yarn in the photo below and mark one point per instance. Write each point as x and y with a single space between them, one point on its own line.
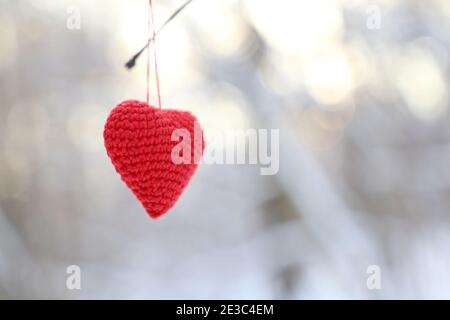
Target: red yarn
138 141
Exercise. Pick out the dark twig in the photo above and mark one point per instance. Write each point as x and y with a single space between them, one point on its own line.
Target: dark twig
130 64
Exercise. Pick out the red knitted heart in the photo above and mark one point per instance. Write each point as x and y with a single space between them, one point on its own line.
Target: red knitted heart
138 139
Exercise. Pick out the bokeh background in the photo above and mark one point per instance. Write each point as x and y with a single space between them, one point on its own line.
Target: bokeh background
364 174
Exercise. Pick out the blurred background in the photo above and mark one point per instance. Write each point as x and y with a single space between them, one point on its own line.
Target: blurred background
358 89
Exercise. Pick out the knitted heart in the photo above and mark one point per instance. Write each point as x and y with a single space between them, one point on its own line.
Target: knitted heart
139 141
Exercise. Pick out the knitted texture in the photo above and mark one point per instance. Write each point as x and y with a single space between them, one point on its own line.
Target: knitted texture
138 140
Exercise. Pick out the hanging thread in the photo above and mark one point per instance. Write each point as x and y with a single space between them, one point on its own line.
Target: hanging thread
154 53
152 35
148 53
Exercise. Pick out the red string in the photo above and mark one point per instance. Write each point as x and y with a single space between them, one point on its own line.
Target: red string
154 51
148 57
